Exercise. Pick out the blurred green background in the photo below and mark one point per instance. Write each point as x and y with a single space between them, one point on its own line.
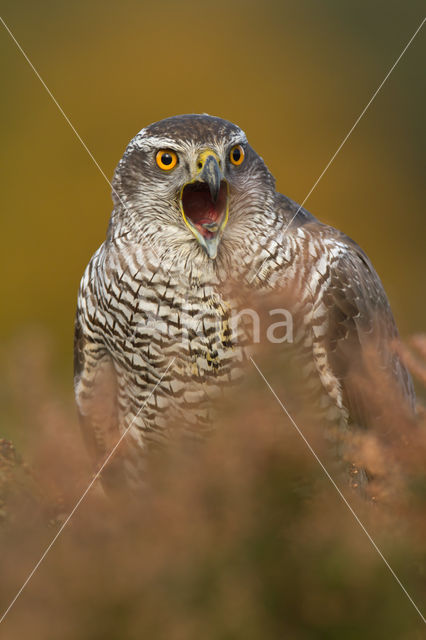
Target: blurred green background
293 75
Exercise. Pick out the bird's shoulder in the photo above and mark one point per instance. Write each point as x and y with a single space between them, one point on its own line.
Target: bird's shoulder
359 317
350 262
292 213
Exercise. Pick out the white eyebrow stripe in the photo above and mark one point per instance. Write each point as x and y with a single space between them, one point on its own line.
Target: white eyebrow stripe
238 138
148 142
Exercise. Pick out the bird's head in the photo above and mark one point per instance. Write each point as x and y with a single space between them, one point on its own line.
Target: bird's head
191 184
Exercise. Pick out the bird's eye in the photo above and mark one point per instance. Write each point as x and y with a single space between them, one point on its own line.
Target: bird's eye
236 155
166 159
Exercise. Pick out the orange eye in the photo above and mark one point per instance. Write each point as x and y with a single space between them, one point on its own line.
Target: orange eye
236 155
166 159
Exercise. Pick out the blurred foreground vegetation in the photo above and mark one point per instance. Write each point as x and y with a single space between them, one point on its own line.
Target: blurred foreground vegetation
246 539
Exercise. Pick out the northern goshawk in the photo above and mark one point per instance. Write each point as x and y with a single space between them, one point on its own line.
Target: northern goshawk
196 221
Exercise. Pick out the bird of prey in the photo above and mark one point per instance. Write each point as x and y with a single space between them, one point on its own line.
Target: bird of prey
195 210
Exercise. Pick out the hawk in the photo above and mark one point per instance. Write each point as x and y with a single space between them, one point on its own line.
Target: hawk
195 210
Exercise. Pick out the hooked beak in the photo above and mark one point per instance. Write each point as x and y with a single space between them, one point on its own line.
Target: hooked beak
204 203
212 175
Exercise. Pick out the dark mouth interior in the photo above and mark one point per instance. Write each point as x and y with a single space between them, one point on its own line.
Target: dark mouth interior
200 209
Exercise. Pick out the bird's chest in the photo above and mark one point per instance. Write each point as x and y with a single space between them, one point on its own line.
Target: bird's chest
193 326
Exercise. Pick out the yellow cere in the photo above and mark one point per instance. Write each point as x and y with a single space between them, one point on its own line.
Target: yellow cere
203 157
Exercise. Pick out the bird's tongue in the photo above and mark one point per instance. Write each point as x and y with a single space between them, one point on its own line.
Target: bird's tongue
200 209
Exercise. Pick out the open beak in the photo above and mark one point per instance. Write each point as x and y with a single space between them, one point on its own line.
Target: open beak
204 203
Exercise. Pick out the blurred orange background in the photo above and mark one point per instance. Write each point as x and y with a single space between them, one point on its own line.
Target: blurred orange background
294 75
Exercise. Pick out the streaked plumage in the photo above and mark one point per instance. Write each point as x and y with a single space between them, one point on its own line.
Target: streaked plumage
152 293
